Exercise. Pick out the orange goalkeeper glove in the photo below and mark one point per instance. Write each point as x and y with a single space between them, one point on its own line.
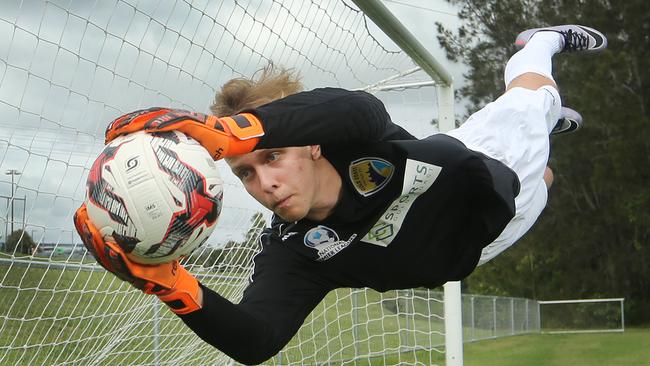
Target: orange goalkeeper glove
172 283
222 137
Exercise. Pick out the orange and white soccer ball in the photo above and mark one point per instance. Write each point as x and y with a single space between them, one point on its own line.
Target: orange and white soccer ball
157 195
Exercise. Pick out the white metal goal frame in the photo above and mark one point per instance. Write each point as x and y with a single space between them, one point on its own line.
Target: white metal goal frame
444 82
620 308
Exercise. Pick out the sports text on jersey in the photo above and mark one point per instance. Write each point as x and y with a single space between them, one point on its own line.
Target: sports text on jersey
418 177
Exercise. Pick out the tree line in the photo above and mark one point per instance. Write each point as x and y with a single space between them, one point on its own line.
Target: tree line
234 255
19 242
593 239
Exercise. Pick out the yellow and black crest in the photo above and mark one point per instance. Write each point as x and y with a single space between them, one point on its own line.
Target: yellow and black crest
369 175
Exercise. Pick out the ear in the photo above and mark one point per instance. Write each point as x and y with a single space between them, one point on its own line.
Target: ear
315 152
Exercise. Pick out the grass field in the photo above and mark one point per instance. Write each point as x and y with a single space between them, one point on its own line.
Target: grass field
631 347
52 316
72 316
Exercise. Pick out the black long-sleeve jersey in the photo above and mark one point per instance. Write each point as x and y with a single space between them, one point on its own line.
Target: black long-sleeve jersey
412 213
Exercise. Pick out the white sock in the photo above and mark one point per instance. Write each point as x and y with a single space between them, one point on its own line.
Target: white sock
535 57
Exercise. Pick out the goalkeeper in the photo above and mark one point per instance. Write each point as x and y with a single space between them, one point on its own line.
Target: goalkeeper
358 201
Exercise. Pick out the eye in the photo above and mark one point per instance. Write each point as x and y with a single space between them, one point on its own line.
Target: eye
243 174
273 156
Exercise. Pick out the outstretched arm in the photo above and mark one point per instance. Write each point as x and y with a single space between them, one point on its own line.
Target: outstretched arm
326 116
317 117
283 292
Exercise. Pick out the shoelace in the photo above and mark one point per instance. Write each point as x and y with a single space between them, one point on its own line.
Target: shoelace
574 41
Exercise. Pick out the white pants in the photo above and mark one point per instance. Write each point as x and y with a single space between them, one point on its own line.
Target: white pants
514 129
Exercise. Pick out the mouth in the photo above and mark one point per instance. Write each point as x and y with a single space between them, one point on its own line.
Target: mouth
282 203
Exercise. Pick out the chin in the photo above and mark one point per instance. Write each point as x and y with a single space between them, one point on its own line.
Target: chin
291 216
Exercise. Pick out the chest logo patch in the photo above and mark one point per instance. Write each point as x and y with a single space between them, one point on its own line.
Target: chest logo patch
369 175
326 242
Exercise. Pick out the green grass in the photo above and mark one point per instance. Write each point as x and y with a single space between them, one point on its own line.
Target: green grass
631 347
331 330
54 316
70 316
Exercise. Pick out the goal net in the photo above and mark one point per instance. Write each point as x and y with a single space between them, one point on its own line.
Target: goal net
582 315
68 67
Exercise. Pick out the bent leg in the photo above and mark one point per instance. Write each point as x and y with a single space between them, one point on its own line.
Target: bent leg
532 67
531 81
548 177
515 130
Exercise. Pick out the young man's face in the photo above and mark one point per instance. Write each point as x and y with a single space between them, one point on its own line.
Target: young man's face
285 180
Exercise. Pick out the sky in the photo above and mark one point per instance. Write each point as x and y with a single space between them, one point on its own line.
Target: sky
419 17
68 67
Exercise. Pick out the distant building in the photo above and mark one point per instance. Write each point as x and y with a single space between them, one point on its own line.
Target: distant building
59 249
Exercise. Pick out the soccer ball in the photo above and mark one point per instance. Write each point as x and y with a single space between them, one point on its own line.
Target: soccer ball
157 195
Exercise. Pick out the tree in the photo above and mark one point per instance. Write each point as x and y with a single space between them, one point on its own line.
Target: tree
258 224
594 237
208 257
233 254
19 242
240 255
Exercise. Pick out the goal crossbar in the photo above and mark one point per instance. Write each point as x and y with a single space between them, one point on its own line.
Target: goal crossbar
543 302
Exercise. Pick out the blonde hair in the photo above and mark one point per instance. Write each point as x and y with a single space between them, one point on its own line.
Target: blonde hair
239 94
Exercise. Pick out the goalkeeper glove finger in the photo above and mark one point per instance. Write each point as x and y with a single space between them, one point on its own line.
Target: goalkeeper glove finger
172 283
222 137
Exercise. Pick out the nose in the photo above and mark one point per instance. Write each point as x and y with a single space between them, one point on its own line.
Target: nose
268 181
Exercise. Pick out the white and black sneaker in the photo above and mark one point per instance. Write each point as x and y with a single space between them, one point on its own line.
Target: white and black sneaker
575 38
569 121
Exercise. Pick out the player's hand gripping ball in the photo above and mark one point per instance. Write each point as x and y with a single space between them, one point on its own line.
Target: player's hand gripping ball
156 195
220 136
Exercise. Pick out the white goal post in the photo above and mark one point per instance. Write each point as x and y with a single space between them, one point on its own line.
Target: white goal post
446 121
68 67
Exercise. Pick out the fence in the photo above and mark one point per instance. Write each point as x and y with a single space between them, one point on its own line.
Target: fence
486 317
